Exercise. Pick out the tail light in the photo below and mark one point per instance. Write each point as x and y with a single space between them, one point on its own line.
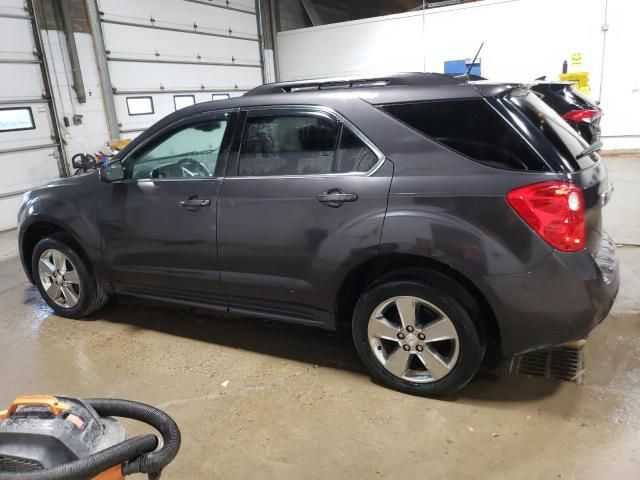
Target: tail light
555 210
587 115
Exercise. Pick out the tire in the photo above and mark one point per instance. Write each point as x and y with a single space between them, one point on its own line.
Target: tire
444 336
70 295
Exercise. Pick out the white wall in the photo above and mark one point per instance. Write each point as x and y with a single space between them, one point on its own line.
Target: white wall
524 39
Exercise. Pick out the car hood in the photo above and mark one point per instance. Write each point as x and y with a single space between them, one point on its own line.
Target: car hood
88 178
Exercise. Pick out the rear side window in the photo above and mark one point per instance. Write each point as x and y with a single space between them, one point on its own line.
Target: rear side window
287 145
353 154
472 128
564 138
301 144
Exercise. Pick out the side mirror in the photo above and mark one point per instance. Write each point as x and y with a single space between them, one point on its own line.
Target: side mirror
111 172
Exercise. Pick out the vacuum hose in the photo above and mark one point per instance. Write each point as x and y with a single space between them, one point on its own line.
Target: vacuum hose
152 462
136 455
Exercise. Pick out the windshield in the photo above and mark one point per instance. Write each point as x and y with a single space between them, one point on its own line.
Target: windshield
564 138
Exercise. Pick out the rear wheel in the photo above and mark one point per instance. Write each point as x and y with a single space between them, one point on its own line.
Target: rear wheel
64 279
416 338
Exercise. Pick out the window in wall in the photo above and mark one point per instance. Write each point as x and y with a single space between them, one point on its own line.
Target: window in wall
474 129
13 119
181 101
353 154
219 96
190 152
287 145
140 105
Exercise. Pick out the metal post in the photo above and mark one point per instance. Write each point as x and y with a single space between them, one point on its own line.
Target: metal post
103 69
260 39
62 9
273 10
63 168
605 29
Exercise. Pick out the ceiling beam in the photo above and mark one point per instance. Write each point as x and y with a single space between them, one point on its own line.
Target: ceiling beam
312 12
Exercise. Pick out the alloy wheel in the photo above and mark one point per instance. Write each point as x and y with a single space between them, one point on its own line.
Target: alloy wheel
59 278
413 339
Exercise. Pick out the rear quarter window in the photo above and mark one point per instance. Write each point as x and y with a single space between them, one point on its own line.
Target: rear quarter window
472 128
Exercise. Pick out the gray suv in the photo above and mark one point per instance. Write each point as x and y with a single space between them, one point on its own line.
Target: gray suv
444 222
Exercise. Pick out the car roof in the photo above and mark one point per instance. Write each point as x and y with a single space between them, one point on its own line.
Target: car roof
378 89
335 93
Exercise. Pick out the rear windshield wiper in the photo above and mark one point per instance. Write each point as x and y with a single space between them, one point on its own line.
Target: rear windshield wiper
590 149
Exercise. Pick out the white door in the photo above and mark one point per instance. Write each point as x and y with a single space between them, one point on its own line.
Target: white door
29 154
167 54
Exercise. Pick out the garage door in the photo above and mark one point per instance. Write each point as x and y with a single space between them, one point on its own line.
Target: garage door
167 54
29 152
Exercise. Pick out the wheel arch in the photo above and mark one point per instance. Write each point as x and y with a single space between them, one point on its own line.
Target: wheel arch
388 267
36 231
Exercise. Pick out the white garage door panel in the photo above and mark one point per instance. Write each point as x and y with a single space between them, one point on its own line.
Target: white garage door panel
161 48
16 39
180 14
20 80
177 46
28 169
27 157
8 211
149 76
163 105
12 7
40 135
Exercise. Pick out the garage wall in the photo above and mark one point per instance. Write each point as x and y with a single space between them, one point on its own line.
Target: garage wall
524 39
162 54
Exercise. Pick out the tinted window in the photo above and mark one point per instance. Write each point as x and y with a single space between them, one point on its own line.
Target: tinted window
287 145
187 153
472 128
353 154
565 139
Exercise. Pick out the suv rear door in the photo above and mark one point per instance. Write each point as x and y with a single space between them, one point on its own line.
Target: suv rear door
562 147
304 197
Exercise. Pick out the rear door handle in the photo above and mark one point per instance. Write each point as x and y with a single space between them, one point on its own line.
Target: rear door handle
335 198
195 202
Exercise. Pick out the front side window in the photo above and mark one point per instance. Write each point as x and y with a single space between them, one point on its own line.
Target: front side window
474 129
190 152
287 145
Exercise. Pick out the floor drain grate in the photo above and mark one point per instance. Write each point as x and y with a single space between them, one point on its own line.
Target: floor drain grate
562 363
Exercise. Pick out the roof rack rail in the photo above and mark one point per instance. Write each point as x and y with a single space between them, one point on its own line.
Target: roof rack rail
396 79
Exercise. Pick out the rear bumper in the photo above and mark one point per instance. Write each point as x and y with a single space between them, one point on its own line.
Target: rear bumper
562 300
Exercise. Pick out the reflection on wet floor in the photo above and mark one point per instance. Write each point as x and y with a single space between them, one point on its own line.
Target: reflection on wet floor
286 386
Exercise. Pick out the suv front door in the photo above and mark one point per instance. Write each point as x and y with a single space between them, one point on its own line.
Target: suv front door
158 225
305 196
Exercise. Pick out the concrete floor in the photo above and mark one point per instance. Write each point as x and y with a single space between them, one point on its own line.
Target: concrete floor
298 404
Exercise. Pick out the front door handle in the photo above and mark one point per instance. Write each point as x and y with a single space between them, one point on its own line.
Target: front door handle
335 198
195 202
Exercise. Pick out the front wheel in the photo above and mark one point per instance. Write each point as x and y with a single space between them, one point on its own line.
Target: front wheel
416 338
64 279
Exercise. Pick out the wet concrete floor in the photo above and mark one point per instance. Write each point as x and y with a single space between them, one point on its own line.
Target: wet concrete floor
299 405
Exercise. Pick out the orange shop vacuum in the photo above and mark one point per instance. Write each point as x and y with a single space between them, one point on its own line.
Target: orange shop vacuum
61 437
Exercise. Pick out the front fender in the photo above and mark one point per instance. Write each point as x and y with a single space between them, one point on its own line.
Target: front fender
63 205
